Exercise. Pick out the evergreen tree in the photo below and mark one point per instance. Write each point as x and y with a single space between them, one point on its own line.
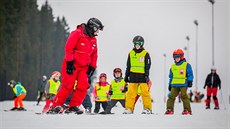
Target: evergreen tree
31 44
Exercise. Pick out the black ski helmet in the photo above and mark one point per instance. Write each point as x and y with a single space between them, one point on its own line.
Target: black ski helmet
138 38
95 24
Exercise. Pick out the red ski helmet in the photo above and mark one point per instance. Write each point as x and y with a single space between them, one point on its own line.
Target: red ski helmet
102 75
179 53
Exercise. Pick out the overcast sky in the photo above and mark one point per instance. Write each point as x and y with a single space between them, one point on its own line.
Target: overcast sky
164 24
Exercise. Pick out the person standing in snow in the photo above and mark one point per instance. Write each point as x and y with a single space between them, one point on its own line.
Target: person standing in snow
116 92
51 89
41 88
20 94
180 78
79 63
137 75
101 93
212 83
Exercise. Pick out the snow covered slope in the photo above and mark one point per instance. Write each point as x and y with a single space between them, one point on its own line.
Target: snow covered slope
201 118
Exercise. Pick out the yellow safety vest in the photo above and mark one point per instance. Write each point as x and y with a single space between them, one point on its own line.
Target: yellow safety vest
54 86
23 91
137 61
179 73
102 92
117 88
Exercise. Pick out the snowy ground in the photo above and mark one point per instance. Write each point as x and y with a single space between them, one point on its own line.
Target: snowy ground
201 118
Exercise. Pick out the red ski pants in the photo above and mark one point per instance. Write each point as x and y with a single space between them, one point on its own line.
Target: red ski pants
67 86
212 92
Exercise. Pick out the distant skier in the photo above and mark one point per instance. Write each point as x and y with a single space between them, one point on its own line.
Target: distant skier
79 63
41 88
117 90
212 82
180 78
20 94
101 93
51 89
137 75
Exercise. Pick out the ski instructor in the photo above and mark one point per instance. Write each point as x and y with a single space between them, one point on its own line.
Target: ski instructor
79 63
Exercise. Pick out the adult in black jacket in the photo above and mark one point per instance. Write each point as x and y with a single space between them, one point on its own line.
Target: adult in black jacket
212 83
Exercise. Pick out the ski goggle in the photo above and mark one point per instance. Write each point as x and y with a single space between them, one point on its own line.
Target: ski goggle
176 56
138 43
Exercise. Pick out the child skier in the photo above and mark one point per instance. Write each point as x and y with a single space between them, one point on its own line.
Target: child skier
212 83
51 89
137 74
101 93
41 88
20 94
180 78
116 90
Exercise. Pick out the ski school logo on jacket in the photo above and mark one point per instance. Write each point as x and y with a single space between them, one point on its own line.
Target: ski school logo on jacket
142 59
93 46
181 71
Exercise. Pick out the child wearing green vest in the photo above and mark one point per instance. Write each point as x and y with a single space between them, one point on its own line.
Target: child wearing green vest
51 89
101 93
180 78
117 90
137 75
20 94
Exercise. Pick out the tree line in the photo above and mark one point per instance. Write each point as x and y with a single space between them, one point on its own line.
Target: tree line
31 44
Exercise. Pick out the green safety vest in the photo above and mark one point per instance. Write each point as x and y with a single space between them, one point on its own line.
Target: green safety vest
137 61
117 88
23 91
54 86
179 73
102 92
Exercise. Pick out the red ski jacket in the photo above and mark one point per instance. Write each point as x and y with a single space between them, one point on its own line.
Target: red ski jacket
81 48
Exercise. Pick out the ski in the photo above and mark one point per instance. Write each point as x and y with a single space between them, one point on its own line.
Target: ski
6 110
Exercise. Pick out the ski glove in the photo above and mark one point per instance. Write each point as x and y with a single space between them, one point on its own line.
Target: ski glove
126 79
15 97
146 79
70 68
170 87
125 88
189 83
110 92
204 87
90 71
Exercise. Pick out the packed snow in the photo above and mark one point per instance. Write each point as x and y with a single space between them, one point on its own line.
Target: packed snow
201 118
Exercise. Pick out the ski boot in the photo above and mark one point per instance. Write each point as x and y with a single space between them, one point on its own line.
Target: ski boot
207 107
169 112
216 108
13 109
21 109
87 110
186 112
56 110
75 110
127 111
146 111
